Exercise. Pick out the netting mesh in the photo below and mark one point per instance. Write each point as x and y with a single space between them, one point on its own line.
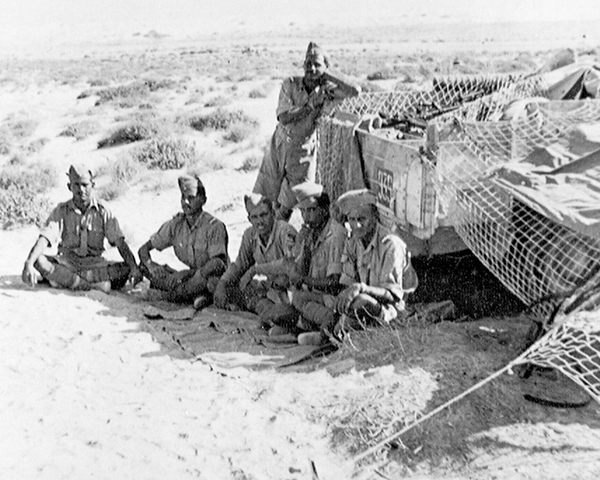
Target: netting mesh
545 264
573 348
539 260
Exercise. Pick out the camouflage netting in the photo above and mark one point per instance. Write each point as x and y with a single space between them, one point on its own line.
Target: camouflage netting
483 124
537 259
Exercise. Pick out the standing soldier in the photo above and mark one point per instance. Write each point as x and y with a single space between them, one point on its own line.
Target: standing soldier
291 158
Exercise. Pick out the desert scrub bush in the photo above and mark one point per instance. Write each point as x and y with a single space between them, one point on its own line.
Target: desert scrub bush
124 170
207 161
122 93
80 130
250 163
133 132
218 101
99 82
127 95
220 119
166 153
158 84
385 74
36 145
19 127
261 92
238 132
22 195
112 191
140 116
6 141
370 87
194 98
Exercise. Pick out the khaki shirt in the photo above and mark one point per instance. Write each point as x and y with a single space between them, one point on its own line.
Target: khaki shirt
81 233
326 250
194 244
294 95
385 262
254 251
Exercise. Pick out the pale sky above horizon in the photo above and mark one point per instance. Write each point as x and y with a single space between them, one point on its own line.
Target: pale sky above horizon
30 15
52 21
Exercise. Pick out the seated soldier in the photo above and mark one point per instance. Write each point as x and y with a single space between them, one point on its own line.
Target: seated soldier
267 240
199 240
376 270
78 228
318 267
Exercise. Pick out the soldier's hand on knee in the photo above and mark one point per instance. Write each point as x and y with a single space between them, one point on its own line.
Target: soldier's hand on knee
363 301
135 276
30 275
346 297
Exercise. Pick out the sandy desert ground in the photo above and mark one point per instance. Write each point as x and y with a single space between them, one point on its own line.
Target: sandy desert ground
87 390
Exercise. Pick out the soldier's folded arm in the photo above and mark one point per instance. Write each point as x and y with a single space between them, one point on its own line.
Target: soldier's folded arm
134 272
30 274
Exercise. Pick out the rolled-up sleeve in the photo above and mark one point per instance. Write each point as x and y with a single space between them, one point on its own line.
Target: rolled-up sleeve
112 229
164 237
217 239
285 102
394 261
348 262
53 227
245 258
335 252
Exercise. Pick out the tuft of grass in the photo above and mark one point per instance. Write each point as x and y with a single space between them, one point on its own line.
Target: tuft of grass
250 164
218 101
385 74
125 170
19 127
99 82
238 132
6 142
112 191
207 161
36 145
261 92
457 355
124 94
22 195
370 87
133 132
166 153
156 185
80 130
159 84
220 119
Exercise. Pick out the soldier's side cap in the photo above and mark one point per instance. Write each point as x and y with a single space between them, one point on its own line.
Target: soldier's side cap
189 184
353 199
253 200
80 171
307 193
314 50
